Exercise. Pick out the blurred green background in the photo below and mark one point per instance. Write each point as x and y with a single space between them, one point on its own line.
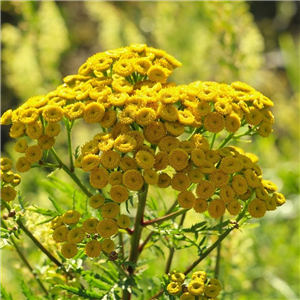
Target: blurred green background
254 41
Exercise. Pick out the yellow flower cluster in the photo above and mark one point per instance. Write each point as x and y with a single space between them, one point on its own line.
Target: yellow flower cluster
9 180
94 233
151 132
200 287
126 89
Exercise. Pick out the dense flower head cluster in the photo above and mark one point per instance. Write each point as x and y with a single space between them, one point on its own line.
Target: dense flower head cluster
198 287
151 132
92 234
9 180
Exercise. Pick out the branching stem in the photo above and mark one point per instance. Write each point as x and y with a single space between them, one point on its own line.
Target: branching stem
71 174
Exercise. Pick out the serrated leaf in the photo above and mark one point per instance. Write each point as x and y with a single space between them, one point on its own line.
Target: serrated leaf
82 293
101 284
196 227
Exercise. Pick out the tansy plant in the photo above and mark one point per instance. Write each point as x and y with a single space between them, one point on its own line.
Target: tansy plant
147 135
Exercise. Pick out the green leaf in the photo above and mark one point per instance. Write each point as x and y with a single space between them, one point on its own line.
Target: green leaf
82 293
5 295
26 291
56 205
43 211
100 282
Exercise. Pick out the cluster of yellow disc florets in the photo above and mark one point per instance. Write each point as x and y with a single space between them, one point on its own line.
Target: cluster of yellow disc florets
9 180
92 234
151 133
199 287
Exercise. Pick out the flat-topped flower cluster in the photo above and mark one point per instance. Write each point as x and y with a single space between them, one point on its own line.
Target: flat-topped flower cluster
151 132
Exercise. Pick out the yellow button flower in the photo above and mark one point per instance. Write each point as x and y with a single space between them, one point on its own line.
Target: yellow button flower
23 165
29 115
199 275
90 162
110 210
125 143
180 182
214 122
68 250
33 153
76 235
60 234
46 142
119 193
157 73
177 276
17 130
257 208
6 163
196 288
109 119
227 193
205 189
200 205
174 288
186 199
216 208
239 184
71 217
110 159
35 130
96 201
178 159
108 245
8 193
155 132
144 159
234 207
123 67
107 228
93 248
98 178
123 221
52 129
168 143
133 180
174 128
145 116
53 113
93 112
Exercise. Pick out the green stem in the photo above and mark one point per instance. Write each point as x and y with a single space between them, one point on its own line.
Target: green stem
172 249
37 243
216 244
71 174
147 239
226 140
208 251
138 227
211 248
166 217
213 141
25 261
218 258
69 126
136 237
